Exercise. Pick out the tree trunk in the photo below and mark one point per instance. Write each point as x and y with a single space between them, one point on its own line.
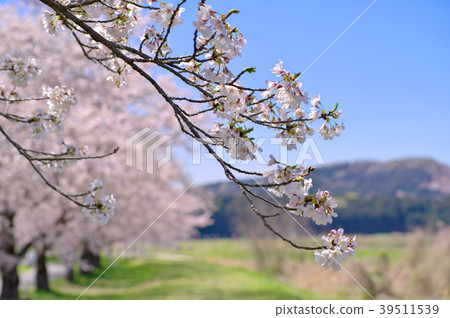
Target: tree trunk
41 273
69 273
95 260
88 261
10 288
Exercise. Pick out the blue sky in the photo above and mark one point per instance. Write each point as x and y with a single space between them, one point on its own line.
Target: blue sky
389 71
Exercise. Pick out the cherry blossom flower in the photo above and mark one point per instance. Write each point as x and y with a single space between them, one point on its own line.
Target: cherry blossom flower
235 141
99 207
20 72
164 15
337 248
51 22
315 101
60 99
278 69
328 133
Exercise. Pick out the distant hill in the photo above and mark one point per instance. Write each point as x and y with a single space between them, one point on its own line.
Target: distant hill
372 196
402 178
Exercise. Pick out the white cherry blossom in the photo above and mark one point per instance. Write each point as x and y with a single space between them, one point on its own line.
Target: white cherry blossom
337 249
19 71
99 207
60 99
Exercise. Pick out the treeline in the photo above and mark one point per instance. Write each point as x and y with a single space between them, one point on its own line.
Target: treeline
388 213
372 197
368 215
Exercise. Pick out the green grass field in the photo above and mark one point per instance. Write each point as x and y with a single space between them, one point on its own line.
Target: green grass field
168 279
227 269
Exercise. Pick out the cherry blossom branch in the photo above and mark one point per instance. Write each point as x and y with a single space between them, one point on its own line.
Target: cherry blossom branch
279 109
29 159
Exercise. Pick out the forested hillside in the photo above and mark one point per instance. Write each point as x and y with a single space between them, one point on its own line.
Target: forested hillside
372 197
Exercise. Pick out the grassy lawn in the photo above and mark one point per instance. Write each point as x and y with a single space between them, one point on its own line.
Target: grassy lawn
374 246
224 269
169 279
232 249
370 246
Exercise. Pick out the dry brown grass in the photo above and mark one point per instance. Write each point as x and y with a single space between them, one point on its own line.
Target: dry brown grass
420 269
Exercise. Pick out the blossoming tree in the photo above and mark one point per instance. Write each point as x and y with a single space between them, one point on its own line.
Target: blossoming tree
31 216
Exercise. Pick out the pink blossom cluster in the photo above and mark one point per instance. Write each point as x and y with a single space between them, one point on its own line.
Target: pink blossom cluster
68 151
290 181
235 141
226 40
337 247
99 207
59 101
19 71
